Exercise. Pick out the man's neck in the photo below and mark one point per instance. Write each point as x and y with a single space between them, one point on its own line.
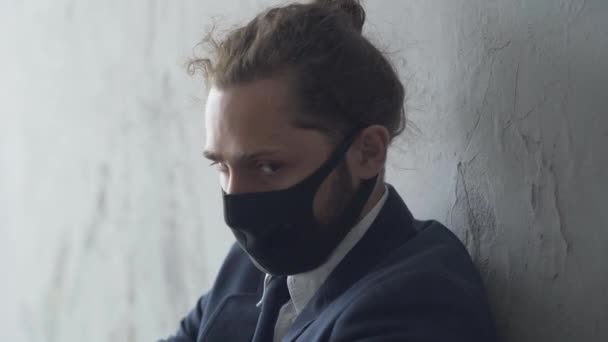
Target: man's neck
376 195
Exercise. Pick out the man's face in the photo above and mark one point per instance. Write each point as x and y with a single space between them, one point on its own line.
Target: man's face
255 146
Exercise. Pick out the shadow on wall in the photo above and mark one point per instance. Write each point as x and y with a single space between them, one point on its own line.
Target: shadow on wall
528 183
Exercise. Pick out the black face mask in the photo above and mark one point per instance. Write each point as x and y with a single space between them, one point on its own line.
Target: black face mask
278 228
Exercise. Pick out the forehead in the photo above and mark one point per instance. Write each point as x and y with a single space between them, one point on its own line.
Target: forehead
256 109
245 118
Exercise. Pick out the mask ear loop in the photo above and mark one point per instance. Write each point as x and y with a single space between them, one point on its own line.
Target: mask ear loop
347 219
340 152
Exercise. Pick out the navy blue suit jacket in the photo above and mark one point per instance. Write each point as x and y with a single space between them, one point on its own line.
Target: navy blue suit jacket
406 280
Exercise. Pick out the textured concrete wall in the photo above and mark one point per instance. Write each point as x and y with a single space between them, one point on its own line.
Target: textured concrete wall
511 103
109 220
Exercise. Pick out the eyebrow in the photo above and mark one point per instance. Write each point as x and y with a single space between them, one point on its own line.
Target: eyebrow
216 157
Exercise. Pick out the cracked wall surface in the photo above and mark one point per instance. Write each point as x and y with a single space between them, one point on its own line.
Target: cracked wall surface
511 113
110 224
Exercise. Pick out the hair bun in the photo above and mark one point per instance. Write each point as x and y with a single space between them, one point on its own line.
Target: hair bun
351 7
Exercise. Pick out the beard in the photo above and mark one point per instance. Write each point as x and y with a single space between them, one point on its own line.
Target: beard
341 193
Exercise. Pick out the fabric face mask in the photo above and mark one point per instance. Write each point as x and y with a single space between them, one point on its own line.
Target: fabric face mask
278 228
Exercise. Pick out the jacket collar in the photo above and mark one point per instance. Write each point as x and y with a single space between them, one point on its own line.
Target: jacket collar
391 229
393 226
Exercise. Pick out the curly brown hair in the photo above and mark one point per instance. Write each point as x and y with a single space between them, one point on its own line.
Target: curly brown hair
339 79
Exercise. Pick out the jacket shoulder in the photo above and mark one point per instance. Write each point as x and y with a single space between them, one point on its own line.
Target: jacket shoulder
428 289
237 275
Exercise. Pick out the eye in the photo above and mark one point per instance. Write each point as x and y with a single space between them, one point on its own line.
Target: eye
268 168
221 167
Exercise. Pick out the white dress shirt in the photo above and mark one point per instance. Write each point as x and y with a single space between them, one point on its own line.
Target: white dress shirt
302 287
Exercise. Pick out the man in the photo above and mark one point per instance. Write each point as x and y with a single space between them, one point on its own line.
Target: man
299 116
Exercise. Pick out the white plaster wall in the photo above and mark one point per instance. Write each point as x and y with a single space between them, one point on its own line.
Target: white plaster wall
109 222
511 103
108 232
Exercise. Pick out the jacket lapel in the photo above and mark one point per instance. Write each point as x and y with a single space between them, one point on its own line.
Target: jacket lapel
391 229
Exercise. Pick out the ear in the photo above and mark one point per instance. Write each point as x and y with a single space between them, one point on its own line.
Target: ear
367 156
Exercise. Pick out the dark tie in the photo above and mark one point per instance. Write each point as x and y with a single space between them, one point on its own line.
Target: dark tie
275 297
